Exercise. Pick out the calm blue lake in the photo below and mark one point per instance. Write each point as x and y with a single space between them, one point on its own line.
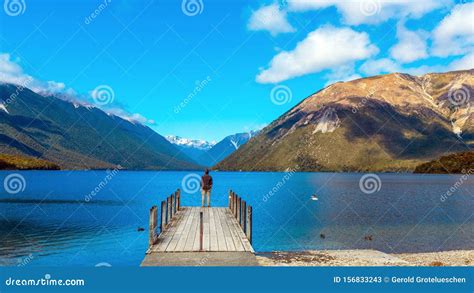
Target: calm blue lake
50 222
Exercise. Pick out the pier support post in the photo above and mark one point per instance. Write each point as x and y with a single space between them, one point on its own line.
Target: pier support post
236 199
236 203
168 210
201 231
163 217
173 202
178 199
243 217
248 231
233 203
152 226
239 209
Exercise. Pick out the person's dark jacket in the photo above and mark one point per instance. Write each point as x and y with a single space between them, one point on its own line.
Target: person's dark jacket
206 182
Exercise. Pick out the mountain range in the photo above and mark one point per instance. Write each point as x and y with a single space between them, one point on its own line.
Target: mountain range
391 122
210 153
77 136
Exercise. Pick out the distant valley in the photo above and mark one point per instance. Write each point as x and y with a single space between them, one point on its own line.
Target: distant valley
208 154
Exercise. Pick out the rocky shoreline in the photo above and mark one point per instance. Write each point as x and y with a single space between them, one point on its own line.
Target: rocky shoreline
365 258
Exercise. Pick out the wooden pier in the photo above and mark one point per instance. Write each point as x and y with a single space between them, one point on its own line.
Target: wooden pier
196 236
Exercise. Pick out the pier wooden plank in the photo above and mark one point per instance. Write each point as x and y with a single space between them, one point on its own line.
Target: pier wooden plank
164 239
221 242
186 228
212 231
225 229
221 232
232 230
207 232
172 230
179 234
240 234
193 232
196 242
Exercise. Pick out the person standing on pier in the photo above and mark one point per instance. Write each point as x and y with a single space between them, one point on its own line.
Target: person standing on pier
206 187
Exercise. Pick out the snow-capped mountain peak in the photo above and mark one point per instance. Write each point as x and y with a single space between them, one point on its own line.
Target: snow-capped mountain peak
191 143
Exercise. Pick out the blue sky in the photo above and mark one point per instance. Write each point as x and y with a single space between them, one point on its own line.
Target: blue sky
234 66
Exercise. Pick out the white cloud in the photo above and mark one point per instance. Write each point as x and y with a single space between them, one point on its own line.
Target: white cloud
464 63
8 67
385 65
379 66
424 69
325 48
411 45
12 72
357 12
131 117
455 33
454 36
342 73
270 18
